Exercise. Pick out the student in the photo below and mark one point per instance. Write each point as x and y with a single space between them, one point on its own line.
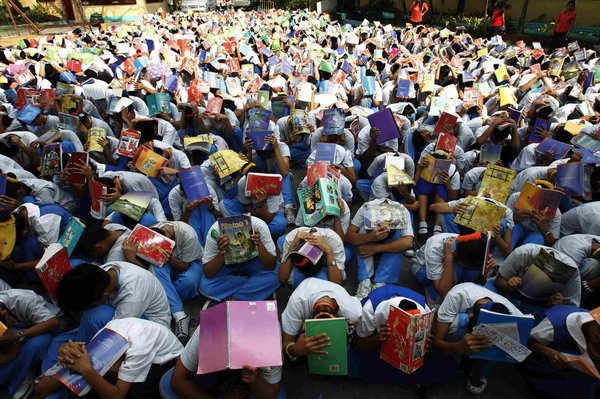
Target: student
389 244
313 299
584 250
295 267
457 316
581 219
152 351
183 382
31 323
255 279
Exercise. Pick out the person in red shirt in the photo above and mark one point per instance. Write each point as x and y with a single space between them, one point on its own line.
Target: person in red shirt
498 21
564 22
418 8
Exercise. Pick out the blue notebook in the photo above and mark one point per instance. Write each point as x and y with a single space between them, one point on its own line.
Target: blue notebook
404 87
515 115
575 179
490 153
258 139
194 184
559 149
523 324
326 152
258 118
368 82
28 113
538 123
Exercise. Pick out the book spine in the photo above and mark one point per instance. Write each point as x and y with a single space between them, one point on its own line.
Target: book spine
228 336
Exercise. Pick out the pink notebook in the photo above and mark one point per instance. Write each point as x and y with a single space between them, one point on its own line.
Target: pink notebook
238 333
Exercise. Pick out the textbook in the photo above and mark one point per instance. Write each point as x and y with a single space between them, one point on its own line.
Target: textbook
69 122
104 350
434 168
133 204
446 142
385 122
582 363
278 108
559 149
472 98
258 139
50 136
507 96
405 89
28 114
313 253
326 152
77 158
202 142
98 207
533 138
445 119
437 106
158 102
128 143
238 333
501 74
542 199
51 160
28 96
583 140
496 183
515 115
573 127
481 215
319 200
575 179
258 118
194 184
52 267
509 335
269 182
406 347
72 234
490 153
324 170
213 107
299 121
263 97
152 246
333 121
95 134
3 180
335 362
239 230
388 215
546 276
148 162
555 66
234 86
226 162
368 83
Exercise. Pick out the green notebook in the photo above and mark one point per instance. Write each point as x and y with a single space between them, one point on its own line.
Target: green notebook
336 361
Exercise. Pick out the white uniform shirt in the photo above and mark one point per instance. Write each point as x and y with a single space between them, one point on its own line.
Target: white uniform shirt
26 308
371 319
544 332
187 247
46 227
576 246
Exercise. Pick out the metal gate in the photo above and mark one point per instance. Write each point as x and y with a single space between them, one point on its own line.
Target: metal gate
266 4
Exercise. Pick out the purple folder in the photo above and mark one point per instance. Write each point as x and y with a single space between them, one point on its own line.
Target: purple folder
559 149
238 333
384 120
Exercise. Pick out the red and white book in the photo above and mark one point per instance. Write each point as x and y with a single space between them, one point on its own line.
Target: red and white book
98 207
214 105
128 143
446 119
320 170
152 246
52 267
270 183
446 142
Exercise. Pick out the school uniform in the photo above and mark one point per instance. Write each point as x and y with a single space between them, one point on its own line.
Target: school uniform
581 219
451 226
526 231
49 193
201 218
579 248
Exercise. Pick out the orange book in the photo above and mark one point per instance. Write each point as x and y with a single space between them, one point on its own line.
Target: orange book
148 162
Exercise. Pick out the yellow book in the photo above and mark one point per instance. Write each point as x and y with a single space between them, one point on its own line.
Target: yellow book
428 83
481 215
226 162
396 175
501 74
496 183
203 138
148 162
67 103
573 128
94 135
482 52
3 328
555 66
435 166
507 96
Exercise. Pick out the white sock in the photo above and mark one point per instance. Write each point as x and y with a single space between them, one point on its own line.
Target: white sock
179 315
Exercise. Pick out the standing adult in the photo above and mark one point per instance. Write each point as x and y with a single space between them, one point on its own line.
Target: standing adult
564 23
418 8
498 20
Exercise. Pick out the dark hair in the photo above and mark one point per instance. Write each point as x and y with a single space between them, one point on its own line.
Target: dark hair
310 269
471 253
495 307
81 287
406 304
92 234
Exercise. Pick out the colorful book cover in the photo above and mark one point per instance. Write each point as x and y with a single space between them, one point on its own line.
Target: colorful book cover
490 153
405 89
258 118
435 167
194 183
270 183
77 159
583 363
481 215
322 170
533 138
326 152
52 160
47 99
388 215
51 136
472 98
28 96
28 114
385 122
148 162
507 96
406 347
333 121
239 230
300 121
202 142
583 140
72 234
437 106
533 197
546 276
517 328
496 183
133 204
238 333
335 362
226 162
104 350
555 66
395 176
313 253
319 200
446 142
152 246
263 97
501 74
98 207
213 108
368 83
558 148
158 102
128 143
258 139
95 134
575 179
278 108
52 267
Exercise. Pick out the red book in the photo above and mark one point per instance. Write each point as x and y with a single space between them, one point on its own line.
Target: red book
214 105
446 119
128 66
405 348
48 96
535 68
128 143
77 158
152 246
194 93
98 207
234 64
229 47
446 142
28 96
271 183
74 66
472 98
52 267
322 170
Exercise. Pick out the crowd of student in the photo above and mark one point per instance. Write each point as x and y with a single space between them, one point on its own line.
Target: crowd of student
110 287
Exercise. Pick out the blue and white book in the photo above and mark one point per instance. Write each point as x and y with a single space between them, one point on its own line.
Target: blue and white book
368 83
533 138
72 234
258 139
326 152
194 183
